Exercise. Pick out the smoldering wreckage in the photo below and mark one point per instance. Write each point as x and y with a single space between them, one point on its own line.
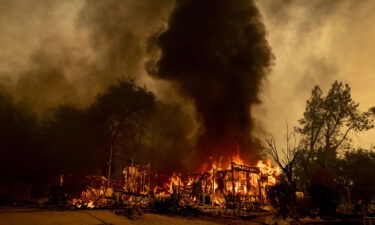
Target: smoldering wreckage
235 190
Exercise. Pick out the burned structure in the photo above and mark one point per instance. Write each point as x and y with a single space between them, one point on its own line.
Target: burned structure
239 187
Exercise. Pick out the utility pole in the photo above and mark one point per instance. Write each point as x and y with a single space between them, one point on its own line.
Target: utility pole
233 188
110 166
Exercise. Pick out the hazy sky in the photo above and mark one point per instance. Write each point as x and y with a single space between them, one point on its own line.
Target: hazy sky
56 52
315 43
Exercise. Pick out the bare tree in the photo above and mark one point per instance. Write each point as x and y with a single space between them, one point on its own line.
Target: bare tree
288 157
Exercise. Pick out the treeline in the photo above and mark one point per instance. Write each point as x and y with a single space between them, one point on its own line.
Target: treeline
323 172
36 148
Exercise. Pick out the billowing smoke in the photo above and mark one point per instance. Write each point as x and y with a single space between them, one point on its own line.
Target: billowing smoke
118 33
66 52
216 53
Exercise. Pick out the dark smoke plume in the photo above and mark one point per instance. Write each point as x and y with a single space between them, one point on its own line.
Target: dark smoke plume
217 54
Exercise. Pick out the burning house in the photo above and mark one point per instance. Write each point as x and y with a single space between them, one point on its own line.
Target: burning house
248 184
238 187
216 53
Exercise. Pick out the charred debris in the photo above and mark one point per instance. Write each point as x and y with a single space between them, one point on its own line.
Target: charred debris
238 190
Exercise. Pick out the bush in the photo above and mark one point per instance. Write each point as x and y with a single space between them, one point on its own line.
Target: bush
282 197
324 193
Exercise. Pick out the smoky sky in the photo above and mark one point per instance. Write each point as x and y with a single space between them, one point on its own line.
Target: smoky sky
66 52
315 43
216 53
58 52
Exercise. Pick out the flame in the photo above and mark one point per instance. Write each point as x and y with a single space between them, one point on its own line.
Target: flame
175 183
90 204
269 170
238 178
247 183
219 180
237 158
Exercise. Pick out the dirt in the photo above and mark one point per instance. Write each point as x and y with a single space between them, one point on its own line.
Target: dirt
37 216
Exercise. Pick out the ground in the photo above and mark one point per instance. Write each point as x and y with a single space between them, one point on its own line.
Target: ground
34 216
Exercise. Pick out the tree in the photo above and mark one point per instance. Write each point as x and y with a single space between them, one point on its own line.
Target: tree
357 169
288 159
36 149
74 140
281 198
20 135
325 128
327 123
162 137
324 192
285 193
120 108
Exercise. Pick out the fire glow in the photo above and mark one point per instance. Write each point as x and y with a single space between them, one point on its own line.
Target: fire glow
217 185
233 178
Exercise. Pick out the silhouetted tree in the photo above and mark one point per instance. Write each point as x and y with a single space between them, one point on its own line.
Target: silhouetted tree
162 139
120 109
281 197
356 170
36 149
286 161
20 138
326 125
325 128
74 140
324 192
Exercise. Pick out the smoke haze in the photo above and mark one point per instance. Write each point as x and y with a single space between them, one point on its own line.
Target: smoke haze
315 43
69 51
55 52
